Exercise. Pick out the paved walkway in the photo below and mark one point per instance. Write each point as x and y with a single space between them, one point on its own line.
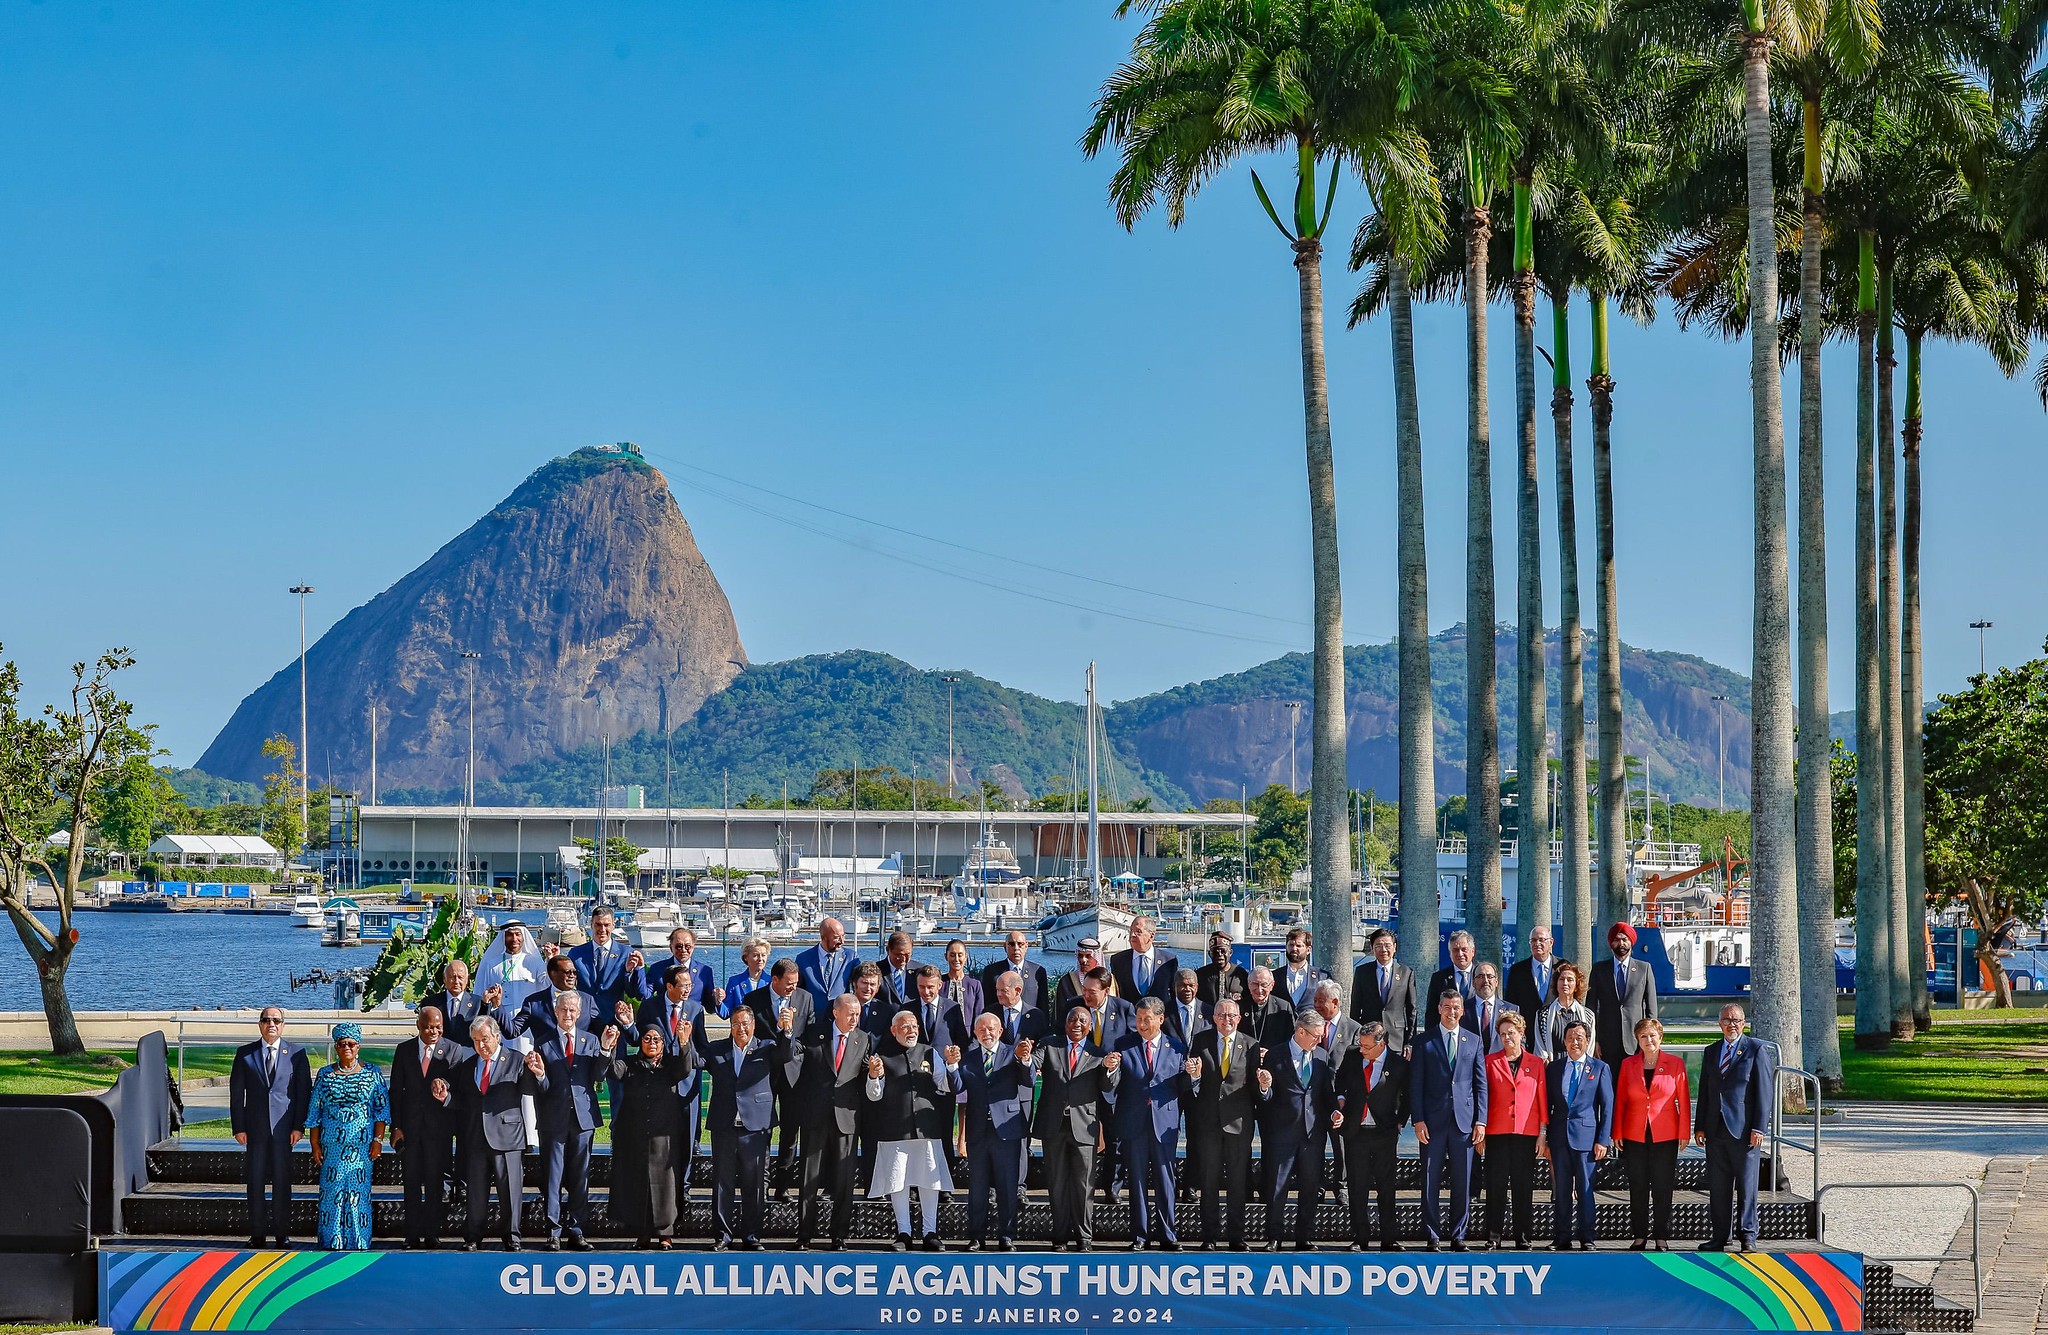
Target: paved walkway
2014 1242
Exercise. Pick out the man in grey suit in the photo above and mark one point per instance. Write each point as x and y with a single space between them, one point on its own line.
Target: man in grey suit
487 1089
1485 1008
1383 989
1622 991
270 1086
1068 1122
1340 1036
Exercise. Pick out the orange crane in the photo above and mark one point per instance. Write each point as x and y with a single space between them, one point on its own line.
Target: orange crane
1727 862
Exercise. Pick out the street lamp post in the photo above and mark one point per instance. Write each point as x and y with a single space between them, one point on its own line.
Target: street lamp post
1980 627
1721 729
305 768
951 682
471 657
1293 731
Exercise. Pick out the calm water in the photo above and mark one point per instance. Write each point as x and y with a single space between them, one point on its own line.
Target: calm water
170 961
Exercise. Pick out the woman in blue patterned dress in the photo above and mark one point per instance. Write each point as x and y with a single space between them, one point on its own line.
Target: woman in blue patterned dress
346 1125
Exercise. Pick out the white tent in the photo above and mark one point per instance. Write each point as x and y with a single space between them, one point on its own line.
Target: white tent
656 860
828 875
216 850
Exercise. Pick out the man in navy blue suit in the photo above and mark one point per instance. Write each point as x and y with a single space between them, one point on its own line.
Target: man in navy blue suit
1019 1019
270 1087
1144 970
1733 1109
1296 1103
607 967
826 969
1031 980
536 1015
682 954
1581 1097
1447 1099
1296 979
569 1116
1147 1124
742 1113
995 1114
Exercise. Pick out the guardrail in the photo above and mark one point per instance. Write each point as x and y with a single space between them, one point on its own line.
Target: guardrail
1809 1086
1918 1189
207 1032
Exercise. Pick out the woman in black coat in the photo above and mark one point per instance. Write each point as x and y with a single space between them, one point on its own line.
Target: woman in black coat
650 1137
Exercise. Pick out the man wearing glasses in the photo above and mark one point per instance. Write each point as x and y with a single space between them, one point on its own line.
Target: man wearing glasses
269 1088
1737 1080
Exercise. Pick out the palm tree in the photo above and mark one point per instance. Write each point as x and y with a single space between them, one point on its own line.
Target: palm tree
1209 82
1575 886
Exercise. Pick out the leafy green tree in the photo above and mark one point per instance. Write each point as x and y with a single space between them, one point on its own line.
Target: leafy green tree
53 764
135 806
410 964
1987 803
621 855
281 823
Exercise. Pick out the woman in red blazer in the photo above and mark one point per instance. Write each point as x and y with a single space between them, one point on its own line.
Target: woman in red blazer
1517 1108
1652 1118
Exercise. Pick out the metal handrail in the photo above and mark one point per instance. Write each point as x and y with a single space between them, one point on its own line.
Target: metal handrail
1809 1083
209 1032
1920 1189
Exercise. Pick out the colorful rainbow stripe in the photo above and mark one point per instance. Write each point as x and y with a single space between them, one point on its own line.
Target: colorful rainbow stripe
219 1290
1785 1291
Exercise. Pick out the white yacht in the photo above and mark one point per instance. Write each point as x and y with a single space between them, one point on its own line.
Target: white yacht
307 912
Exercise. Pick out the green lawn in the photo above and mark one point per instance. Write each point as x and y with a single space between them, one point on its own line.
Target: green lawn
41 1073
1972 1059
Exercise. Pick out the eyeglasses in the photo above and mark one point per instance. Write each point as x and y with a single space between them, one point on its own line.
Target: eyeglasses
270 1019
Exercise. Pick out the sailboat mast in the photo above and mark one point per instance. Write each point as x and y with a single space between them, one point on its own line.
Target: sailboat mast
1094 804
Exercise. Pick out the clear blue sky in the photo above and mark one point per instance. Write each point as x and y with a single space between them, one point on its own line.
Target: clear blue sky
297 293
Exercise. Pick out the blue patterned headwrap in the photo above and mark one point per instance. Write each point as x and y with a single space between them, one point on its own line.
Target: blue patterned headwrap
349 1031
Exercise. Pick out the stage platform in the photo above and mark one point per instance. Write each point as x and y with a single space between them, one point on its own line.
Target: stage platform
176 1289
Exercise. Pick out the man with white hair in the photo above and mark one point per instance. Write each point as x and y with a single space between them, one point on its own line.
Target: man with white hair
485 1091
1267 1016
1144 970
573 1063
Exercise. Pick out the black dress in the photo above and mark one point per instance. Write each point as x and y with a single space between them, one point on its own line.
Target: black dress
649 1138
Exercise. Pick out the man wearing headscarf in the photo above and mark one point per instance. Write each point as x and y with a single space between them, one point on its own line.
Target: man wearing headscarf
512 970
1623 991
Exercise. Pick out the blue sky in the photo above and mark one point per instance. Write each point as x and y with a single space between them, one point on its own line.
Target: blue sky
296 293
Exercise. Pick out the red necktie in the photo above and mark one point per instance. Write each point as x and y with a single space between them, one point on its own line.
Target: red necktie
1073 1059
838 1051
1368 1077
485 1086
674 1026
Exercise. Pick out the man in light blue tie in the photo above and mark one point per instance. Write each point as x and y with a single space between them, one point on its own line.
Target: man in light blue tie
1581 1097
1457 978
1528 983
1447 1093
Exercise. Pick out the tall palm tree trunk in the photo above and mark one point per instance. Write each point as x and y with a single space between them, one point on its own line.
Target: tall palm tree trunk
1607 677
1894 833
1533 906
1774 909
1912 710
1873 887
1330 862
1418 711
1482 701
1816 790
1575 886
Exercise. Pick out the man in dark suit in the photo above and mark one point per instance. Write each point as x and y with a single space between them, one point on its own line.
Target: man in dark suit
575 1064
1110 1017
995 1116
828 1098
485 1090
1296 1104
1731 1117
1267 1016
1447 1099
1340 1036
1087 959
1144 970
1528 986
270 1087
682 954
1220 978
899 971
606 967
961 988
1457 978
1621 992
1221 1115
1147 1107
1372 1096
1068 1123
875 1010
1297 978
1187 1016
783 1007
457 1004
1383 990
421 1129
1035 992
536 1015
826 969
742 1112
1580 1090
1485 1007
1019 1019
940 1023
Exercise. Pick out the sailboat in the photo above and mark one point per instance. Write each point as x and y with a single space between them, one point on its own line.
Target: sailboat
1078 919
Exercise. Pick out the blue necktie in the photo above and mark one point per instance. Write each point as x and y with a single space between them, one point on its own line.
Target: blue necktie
1571 1083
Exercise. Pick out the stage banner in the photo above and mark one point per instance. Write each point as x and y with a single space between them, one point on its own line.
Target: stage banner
452 1293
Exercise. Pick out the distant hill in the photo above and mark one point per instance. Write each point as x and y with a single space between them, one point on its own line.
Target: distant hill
786 721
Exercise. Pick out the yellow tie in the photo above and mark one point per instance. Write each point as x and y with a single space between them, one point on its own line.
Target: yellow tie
1098 1029
1225 1063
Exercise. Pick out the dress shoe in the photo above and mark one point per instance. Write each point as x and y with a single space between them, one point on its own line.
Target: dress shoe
1273 1246
1660 1246
1391 1247
974 1244
836 1245
1429 1245
902 1242
255 1244
1639 1245
1080 1247
514 1245
1712 1247
1521 1244
1169 1246
1137 1244
578 1243
932 1243
722 1245
1359 1246
1006 1245
1304 1246
554 1244
1745 1244
469 1246
1458 1245
751 1245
